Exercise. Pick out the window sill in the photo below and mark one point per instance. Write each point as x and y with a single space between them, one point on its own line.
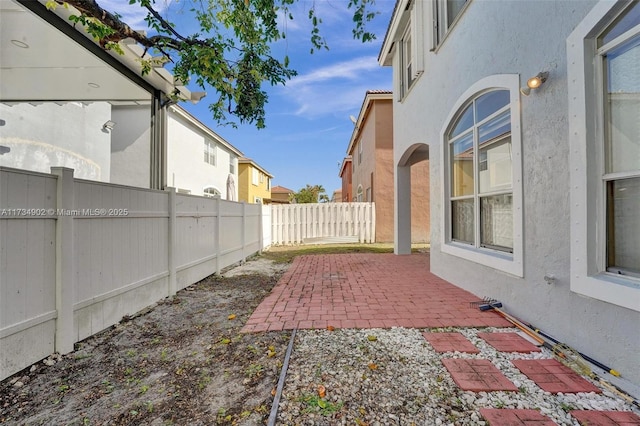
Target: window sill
611 288
505 262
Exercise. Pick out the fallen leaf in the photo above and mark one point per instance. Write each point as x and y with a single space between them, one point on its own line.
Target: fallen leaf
372 338
373 366
232 317
322 391
273 392
322 403
330 328
225 341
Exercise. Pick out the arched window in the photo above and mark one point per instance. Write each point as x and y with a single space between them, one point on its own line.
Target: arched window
480 164
210 191
482 175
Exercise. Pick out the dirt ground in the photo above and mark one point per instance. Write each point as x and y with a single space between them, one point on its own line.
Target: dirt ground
181 362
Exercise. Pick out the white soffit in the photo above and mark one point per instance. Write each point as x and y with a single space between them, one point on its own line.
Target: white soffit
50 66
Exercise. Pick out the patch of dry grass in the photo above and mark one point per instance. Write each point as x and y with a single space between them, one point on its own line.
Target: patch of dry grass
285 254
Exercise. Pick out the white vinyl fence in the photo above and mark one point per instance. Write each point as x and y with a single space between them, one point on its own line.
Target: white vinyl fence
76 256
299 223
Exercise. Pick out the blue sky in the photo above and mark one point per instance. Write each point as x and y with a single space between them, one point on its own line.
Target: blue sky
308 126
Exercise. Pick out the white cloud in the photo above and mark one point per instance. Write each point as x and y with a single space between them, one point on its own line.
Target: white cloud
351 70
331 99
133 15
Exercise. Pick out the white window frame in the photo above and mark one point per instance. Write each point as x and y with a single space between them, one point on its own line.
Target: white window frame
232 165
407 54
511 263
210 152
586 141
441 27
254 177
211 191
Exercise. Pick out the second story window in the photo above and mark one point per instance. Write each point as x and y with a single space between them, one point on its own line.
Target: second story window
360 153
254 177
209 152
446 12
407 61
232 165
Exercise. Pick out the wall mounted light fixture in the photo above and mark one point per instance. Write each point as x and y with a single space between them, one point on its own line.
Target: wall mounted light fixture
534 82
108 126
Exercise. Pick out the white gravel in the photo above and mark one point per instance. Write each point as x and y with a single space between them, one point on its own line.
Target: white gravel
394 377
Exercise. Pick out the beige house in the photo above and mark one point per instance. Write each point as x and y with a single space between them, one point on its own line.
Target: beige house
281 195
371 153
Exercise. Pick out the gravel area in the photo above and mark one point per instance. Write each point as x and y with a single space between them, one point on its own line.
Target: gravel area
394 377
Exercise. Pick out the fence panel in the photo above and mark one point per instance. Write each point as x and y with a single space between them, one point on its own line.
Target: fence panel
121 251
345 222
76 255
27 269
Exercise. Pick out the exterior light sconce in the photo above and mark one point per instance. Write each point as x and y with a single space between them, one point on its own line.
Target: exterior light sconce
534 83
108 126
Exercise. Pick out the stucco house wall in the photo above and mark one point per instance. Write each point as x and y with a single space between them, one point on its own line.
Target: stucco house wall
186 168
131 146
373 170
516 39
44 135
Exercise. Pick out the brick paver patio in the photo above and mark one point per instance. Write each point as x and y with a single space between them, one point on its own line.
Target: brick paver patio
366 291
385 290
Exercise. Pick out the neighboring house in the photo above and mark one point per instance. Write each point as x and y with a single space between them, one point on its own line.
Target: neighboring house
281 195
254 182
371 153
337 196
535 193
66 102
188 170
346 174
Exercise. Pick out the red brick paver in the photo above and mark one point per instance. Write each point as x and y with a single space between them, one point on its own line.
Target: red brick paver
509 342
365 291
477 375
606 418
554 377
509 417
450 342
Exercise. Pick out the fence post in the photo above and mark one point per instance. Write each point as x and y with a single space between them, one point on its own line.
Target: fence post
65 265
260 229
173 244
218 234
244 231
373 222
